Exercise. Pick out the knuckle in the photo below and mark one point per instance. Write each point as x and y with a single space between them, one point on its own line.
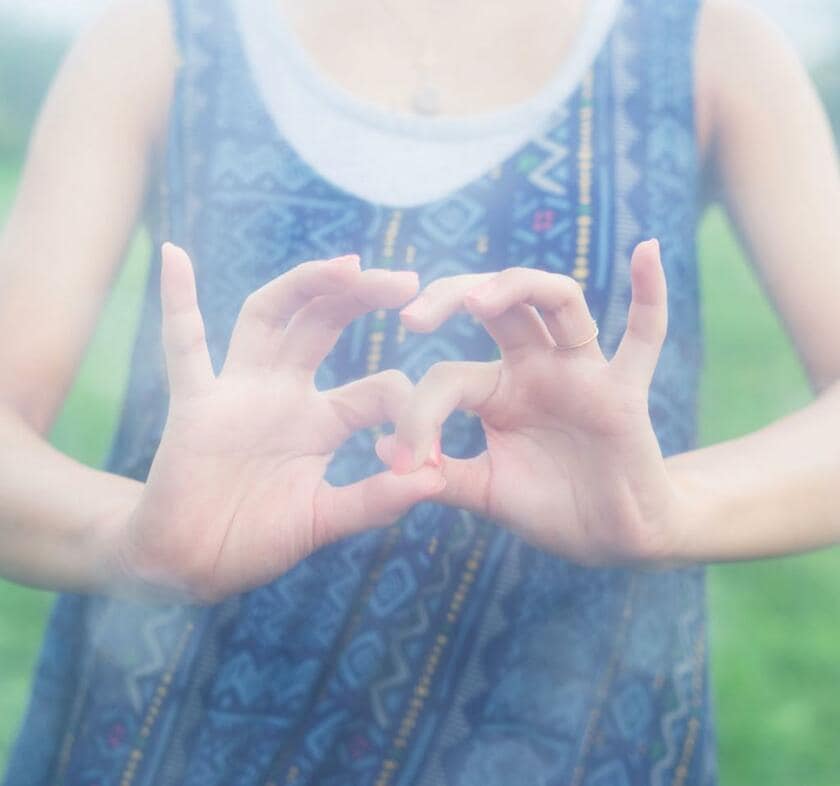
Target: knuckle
334 321
511 274
396 381
186 335
440 372
574 285
251 306
571 287
434 288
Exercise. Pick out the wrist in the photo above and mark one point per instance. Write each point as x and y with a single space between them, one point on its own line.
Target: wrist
693 510
134 568
108 544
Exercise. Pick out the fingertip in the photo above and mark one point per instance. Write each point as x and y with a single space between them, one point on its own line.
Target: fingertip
167 251
384 448
170 250
351 261
402 459
647 255
178 261
413 321
403 286
409 279
165 254
647 273
435 458
177 279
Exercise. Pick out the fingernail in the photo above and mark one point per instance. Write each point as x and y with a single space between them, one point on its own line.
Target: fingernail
403 460
169 248
352 260
383 448
435 458
414 320
483 292
411 310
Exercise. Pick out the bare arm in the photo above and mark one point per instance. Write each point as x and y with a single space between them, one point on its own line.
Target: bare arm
572 462
81 191
775 165
236 492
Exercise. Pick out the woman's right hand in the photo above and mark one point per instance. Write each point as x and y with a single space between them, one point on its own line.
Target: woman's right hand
236 493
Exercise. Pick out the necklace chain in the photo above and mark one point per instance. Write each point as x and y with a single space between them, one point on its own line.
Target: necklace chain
426 96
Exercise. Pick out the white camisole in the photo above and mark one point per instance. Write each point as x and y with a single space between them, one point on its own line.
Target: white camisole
388 157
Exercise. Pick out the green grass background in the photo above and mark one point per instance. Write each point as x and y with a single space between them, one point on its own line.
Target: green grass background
775 625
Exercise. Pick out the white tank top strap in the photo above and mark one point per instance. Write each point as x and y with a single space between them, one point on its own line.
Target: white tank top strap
390 157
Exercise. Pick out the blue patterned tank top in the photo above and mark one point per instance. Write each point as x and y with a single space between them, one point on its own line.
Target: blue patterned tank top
442 651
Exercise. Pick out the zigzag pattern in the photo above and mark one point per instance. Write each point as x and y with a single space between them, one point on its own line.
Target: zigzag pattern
543 176
401 669
672 723
153 638
307 676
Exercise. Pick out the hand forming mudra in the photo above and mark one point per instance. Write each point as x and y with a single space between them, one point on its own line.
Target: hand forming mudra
572 462
236 493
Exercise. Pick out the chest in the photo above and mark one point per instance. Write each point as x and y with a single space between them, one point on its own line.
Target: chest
478 57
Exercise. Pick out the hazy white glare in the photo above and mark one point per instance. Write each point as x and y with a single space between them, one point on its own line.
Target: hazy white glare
814 25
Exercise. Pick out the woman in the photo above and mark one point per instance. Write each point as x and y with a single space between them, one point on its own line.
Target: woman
509 629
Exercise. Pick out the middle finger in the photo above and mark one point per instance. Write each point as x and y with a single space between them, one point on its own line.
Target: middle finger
515 328
313 331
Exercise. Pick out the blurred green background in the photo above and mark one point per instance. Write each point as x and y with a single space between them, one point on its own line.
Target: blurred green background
775 625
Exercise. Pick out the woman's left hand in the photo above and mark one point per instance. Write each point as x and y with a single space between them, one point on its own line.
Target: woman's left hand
572 462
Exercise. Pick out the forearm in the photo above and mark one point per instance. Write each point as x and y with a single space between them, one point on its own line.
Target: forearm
60 521
770 493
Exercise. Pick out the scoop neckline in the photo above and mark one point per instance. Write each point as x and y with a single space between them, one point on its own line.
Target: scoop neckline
599 19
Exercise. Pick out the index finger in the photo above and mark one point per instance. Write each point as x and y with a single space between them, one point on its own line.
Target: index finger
516 329
268 310
315 329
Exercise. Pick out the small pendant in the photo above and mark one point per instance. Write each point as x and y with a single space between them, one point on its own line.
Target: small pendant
426 100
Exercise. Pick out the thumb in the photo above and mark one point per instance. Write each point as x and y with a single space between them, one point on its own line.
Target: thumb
187 359
376 501
647 320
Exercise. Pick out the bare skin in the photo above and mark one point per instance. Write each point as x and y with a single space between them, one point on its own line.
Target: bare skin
500 62
67 526
230 503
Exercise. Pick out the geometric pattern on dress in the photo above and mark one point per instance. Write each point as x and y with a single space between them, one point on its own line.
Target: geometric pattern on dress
442 650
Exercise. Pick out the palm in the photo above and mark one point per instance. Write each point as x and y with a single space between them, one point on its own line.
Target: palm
563 430
246 512
236 493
